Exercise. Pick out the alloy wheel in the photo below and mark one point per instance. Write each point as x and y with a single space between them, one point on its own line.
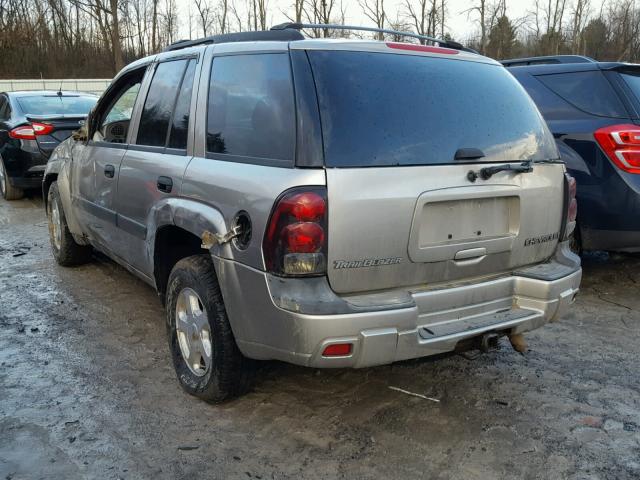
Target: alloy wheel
193 332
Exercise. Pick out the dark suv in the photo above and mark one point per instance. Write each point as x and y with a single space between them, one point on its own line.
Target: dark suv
593 111
32 124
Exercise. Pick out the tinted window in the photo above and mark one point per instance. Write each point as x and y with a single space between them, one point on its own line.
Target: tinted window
390 109
158 107
552 106
588 91
180 122
633 80
56 105
251 109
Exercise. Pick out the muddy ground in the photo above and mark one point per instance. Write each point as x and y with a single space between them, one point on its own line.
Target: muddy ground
87 390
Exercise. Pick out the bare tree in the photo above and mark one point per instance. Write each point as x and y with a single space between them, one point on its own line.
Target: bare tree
374 11
424 16
488 14
205 13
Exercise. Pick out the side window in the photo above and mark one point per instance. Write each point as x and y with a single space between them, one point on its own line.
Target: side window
588 91
250 110
113 120
157 113
180 123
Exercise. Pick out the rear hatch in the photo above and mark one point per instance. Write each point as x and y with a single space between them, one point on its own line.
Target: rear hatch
401 133
57 127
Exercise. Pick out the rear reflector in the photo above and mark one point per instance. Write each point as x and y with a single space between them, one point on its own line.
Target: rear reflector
422 48
621 143
337 350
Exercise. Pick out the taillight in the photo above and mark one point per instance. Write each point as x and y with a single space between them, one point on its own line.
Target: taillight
621 143
24 132
571 204
29 132
295 242
42 128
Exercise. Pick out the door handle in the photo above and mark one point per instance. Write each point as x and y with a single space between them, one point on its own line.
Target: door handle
109 171
165 184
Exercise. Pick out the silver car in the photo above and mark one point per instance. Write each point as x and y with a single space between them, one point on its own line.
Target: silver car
329 203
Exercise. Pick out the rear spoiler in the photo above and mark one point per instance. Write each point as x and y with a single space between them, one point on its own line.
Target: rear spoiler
53 118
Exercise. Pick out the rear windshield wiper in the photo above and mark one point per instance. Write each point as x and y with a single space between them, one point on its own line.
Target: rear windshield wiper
487 172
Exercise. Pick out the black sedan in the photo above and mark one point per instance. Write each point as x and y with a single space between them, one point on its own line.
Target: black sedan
32 124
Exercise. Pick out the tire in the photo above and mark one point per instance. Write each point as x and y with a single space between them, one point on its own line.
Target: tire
65 249
227 373
8 191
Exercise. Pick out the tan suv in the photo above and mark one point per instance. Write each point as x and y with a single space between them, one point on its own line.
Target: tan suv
329 203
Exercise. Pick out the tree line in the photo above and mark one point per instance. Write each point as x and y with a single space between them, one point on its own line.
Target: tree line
96 38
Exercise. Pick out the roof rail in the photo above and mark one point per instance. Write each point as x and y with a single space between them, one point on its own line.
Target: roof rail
547 60
284 34
328 26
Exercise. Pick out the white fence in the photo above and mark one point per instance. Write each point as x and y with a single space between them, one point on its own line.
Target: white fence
90 85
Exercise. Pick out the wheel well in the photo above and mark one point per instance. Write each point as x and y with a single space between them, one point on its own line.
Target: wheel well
48 180
172 244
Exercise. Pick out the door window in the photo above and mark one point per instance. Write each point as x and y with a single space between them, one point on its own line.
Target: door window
251 108
160 107
180 123
113 120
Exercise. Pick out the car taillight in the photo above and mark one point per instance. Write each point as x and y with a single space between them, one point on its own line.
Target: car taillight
295 242
42 128
24 132
571 204
621 143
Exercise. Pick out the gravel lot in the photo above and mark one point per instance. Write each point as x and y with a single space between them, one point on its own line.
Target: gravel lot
87 390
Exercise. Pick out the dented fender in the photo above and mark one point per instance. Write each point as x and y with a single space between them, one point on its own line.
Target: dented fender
59 164
202 220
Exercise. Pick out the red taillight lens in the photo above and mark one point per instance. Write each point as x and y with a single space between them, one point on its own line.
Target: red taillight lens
337 350
42 128
295 242
24 132
621 143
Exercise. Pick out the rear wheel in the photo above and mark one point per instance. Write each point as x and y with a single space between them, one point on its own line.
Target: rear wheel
206 358
65 249
9 192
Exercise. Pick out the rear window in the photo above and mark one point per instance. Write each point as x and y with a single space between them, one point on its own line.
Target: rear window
56 105
633 81
381 109
590 91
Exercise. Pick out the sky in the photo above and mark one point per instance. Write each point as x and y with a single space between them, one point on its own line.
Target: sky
460 25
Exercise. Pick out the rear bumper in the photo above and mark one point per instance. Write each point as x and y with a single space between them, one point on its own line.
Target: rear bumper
410 325
25 165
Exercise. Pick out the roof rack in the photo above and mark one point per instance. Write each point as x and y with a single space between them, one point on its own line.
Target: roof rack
546 60
328 26
282 35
